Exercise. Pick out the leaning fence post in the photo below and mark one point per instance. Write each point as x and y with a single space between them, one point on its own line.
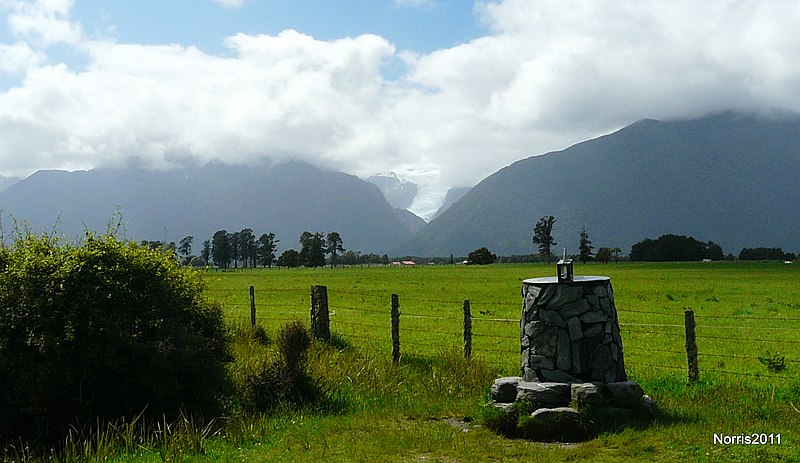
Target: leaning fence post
691 346
320 321
252 306
395 329
467 330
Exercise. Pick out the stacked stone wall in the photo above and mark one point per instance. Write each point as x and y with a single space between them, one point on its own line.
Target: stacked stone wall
569 332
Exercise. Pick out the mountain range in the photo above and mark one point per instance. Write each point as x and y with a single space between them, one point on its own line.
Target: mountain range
285 199
729 178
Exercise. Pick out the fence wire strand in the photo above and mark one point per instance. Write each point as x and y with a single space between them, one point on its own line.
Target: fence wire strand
268 313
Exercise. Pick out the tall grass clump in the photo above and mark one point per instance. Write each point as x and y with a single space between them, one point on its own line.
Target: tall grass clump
361 380
284 380
103 330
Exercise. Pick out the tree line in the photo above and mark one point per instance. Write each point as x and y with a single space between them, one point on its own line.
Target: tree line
240 249
665 248
243 250
313 249
543 239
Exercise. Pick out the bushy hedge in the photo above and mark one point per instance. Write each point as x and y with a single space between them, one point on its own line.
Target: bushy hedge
675 248
765 254
101 330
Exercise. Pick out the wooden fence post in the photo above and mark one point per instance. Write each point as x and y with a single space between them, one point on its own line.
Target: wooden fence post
691 346
467 330
252 306
395 329
320 320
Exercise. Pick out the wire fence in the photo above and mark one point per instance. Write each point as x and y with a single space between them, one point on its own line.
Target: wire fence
653 341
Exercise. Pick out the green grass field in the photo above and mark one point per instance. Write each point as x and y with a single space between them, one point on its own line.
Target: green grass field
428 408
742 310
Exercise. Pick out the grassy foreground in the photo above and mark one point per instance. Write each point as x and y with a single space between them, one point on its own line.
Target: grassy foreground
427 408
742 310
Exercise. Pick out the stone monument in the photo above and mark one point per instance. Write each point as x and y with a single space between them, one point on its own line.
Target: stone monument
569 331
571 352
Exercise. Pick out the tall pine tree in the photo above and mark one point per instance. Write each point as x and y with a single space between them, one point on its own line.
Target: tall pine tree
543 236
585 247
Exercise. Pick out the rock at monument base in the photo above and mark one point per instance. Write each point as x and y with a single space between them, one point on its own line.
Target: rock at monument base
627 394
507 408
649 405
589 394
560 424
558 413
548 394
563 412
504 390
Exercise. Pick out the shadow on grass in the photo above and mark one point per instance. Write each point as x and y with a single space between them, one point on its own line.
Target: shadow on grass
517 423
443 358
339 342
421 362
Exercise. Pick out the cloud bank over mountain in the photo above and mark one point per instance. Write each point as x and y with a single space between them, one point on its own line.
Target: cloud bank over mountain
548 74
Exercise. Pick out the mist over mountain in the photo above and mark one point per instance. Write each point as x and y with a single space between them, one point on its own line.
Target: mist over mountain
6 182
730 178
285 199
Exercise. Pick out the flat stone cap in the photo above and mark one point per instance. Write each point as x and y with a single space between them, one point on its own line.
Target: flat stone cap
554 280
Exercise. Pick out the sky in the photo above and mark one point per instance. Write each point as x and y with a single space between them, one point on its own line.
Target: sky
441 92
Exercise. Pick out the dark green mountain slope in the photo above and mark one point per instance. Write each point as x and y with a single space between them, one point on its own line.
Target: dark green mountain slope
733 179
285 199
453 195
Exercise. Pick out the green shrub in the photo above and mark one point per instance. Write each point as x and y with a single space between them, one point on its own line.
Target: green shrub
102 330
293 342
284 381
260 336
775 363
500 421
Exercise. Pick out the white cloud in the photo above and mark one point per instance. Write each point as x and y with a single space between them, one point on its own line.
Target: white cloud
549 74
164 105
43 22
19 57
615 61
